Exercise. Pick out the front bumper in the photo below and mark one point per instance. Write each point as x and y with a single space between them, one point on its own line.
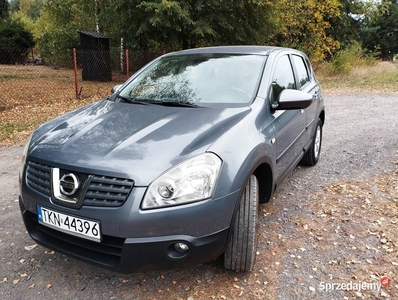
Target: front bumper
126 255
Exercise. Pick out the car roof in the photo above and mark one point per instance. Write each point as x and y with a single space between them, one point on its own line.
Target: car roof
259 50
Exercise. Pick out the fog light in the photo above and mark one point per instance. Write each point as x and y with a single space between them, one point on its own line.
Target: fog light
181 247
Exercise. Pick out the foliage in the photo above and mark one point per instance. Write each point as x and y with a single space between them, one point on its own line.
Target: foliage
345 60
346 27
304 25
171 25
27 22
3 9
383 34
31 8
319 28
13 5
15 42
56 28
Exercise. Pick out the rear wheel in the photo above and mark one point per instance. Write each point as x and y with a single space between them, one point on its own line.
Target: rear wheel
311 157
240 252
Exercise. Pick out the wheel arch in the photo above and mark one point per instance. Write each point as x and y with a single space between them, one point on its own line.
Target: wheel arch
322 117
263 172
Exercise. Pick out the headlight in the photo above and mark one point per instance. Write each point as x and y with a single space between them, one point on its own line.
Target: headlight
190 181
25 149
24 154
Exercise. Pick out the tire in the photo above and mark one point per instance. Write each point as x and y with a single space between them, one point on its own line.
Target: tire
240 252
311 157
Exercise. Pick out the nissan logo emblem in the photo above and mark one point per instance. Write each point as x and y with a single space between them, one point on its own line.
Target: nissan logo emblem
69 183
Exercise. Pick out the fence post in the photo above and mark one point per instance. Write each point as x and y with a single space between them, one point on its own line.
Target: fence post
76 76
127 64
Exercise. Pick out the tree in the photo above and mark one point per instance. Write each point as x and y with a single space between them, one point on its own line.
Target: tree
383 35
179 24
172 24
56 28
346 26
15 42
13 5
305 24
3 9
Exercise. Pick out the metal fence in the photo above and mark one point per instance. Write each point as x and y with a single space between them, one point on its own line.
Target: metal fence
67 75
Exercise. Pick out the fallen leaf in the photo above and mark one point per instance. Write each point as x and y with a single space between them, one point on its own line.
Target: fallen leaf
24 275
22 261
384 294
28 248
32 286
5 279
48 286
15 281
373 233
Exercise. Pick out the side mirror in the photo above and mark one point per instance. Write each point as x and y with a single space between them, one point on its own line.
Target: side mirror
116 88
293 99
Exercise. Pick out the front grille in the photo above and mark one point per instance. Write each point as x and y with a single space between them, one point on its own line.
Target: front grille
100 190
38 177
107 191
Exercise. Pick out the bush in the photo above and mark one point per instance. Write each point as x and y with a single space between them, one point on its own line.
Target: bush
15 42
353 56
56 47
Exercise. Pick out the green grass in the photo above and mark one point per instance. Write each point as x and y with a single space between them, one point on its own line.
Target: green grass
8 129
8 76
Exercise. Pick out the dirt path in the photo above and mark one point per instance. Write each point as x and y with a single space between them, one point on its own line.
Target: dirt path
334 223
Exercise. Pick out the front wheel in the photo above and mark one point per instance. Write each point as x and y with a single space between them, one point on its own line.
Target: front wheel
240 252
311 157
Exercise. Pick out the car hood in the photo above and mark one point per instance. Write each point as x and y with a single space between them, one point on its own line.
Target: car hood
138 141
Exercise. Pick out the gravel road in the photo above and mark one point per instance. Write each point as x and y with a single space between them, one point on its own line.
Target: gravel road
360 142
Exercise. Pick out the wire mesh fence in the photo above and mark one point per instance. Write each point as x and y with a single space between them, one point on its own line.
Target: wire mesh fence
63 76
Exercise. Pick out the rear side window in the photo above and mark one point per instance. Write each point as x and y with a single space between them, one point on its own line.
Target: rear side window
302 70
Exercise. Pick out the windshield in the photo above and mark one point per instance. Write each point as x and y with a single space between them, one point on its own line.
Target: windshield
197 79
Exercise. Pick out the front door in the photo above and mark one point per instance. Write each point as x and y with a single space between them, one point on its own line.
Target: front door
289 125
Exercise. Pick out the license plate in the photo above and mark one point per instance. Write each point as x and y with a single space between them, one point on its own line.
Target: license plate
72 225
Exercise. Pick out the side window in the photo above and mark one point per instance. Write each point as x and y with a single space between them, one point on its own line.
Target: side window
283 77
302 71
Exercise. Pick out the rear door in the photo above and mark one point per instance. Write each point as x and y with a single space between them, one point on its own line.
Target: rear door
306 82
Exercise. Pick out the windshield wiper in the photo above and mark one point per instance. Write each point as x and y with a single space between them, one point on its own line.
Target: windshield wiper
133 101
177 104
156 102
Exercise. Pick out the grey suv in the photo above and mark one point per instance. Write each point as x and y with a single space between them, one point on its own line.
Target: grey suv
170 169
